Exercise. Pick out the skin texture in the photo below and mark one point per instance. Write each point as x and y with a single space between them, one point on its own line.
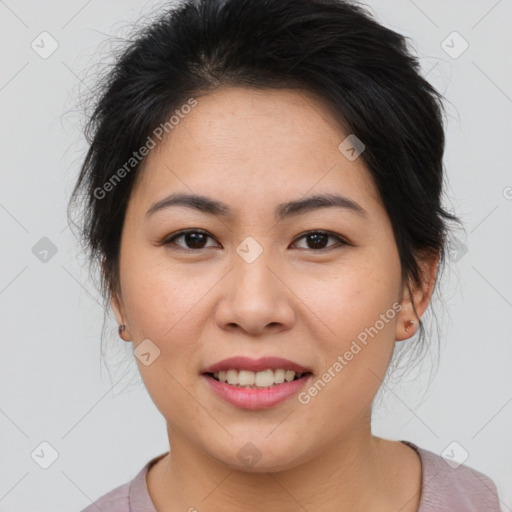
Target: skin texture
253 150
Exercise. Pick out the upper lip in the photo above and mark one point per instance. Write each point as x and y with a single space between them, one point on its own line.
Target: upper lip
255 365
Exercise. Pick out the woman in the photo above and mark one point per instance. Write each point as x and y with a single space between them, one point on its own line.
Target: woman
263 192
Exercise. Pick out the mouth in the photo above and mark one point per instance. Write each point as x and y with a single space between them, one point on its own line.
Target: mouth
265 379
245 389
248 383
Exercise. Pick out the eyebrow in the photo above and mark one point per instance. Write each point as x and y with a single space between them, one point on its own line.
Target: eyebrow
213 207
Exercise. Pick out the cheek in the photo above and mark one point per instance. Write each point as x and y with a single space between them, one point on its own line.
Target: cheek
354 365
349 301
165 307
360 309
162 302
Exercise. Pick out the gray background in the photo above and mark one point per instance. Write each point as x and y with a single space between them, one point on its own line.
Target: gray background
54 385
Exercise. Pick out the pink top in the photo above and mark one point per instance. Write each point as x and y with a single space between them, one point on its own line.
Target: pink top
443 489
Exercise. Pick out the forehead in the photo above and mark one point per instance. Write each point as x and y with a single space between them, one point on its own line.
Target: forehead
250 145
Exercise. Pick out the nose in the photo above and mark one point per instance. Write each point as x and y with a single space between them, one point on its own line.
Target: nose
255 298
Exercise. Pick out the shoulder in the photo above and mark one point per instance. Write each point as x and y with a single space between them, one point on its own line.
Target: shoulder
132 496
448 486
116 500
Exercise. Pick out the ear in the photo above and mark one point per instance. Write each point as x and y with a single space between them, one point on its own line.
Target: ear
415 299
117 306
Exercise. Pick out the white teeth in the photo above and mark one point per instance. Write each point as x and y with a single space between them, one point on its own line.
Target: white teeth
263 379
232 377
279 376
289 375
246 378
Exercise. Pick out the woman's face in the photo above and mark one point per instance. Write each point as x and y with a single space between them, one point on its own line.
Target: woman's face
256 285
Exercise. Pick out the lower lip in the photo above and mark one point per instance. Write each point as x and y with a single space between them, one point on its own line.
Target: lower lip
249 398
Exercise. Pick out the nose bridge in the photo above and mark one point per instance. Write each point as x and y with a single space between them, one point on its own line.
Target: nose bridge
257 297
253 277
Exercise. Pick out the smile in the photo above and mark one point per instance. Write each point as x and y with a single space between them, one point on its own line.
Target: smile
256 380
252 396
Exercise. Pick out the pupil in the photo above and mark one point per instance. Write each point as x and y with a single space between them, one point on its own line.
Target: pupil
194 239
316 239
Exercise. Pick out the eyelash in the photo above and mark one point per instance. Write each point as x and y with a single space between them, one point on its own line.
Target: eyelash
170 240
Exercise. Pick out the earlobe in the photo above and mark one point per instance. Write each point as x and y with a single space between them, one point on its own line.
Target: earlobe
122 330
120 317
408 321
407 324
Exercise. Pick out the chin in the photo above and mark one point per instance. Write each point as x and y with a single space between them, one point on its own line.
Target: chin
261 455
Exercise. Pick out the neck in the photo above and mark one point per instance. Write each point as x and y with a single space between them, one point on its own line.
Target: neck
359 472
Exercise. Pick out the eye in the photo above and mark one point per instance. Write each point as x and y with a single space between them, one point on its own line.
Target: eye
317 240
196 239
193 238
